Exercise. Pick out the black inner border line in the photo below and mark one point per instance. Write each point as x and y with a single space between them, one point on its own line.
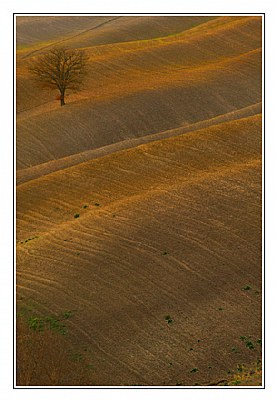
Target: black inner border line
14 205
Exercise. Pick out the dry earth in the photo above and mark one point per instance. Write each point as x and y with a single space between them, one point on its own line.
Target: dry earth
139 203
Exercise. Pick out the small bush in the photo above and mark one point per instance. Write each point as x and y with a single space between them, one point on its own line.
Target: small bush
27 240
250 345
168 319
240 368
76 215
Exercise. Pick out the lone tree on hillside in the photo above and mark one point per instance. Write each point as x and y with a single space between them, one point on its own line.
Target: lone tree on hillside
60 69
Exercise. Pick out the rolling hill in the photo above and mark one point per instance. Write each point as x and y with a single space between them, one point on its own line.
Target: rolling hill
139 203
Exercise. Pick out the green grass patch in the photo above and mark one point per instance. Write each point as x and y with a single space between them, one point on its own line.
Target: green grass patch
36 323
40 323
67 314
234 350
56 325
76 357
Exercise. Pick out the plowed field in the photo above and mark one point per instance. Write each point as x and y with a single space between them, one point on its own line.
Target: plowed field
139 203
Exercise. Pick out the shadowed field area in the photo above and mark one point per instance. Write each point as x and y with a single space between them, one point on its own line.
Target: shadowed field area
139 204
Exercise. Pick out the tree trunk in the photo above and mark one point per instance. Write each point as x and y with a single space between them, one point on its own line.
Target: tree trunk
62 102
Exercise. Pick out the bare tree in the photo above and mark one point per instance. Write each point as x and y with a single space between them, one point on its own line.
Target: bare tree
60 68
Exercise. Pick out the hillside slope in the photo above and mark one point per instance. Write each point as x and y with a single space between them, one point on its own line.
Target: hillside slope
35 33
135 90
199 194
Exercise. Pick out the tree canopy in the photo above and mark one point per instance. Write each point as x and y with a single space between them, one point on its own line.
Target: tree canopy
60 68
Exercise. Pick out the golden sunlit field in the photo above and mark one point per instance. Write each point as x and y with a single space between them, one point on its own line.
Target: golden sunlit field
139 204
